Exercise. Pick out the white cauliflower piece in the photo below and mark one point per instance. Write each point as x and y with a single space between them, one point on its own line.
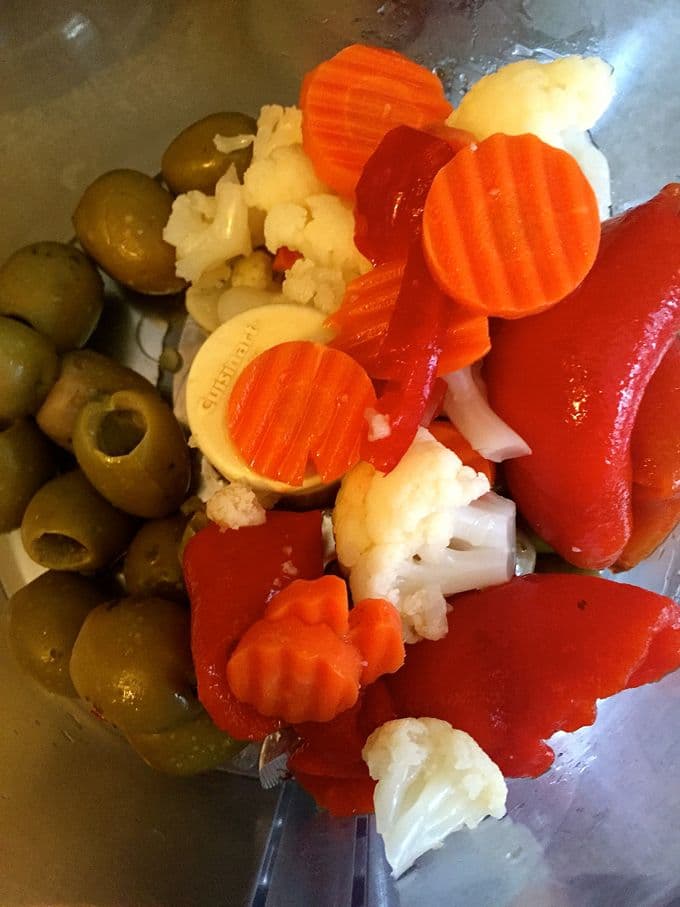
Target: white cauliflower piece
277 127
432 780
554 101
235 505
307 283
428 529
254 270
209 230
286 176
322 229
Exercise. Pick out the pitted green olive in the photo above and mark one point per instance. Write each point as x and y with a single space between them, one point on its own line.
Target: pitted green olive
132 663
193 747
119 221
26 463
152 565
28 369
85 375
54 288
132 449
192 161
45 618
70 526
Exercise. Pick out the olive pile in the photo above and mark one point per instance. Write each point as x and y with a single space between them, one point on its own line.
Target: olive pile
89 450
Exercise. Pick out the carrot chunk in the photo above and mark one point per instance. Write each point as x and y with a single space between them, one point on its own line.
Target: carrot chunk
375 630
296 402
510 226
352 100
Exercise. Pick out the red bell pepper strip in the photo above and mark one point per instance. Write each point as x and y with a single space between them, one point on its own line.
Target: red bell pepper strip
409 359
655 452
533 656
363 320
570 381
230 577
328 761
391 192
284 259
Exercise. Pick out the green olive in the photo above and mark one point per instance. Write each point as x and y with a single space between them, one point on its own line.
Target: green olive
191 161
132 449
69 526
84 376
26 463
152 565
197 521
119 221
54 288
28 369
132 663
45 618
193 747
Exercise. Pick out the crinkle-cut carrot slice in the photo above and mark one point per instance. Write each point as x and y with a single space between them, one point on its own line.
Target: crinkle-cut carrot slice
510 226
318 601
352 100
375 630
363 319
299 402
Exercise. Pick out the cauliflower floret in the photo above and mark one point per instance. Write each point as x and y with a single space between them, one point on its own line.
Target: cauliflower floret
310 284
235 505
286 176
428 529
322 229
208 231
277 127
254 270
556 101
432 780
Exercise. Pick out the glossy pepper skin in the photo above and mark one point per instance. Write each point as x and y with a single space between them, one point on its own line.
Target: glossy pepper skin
230 576
571 379
532 656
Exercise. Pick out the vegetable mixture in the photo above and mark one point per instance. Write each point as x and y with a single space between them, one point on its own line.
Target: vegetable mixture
434 399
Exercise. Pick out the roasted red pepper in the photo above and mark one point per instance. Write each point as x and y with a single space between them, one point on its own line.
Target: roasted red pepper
533 656
571 379
328 761
391 192
231 575
655 452
409 359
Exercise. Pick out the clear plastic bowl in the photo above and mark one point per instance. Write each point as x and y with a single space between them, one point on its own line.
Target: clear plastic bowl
105 84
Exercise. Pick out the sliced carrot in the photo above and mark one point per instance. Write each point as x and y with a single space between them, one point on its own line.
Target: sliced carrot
305 660
510 226
295 671
375 630
352 100
319 601
285 258
447 434
299 402
363 319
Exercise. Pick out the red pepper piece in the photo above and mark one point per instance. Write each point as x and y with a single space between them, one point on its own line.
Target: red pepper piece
570 381
391 192
230 576
533 656
328 762
655 442
655 452
409 359
285 258
363 320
